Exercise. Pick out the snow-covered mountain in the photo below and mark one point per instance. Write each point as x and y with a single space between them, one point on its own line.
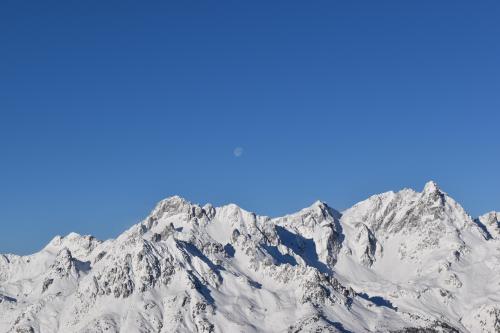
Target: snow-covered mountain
402 261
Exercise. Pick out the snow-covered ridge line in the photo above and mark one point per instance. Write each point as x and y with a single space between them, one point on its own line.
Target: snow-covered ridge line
395 262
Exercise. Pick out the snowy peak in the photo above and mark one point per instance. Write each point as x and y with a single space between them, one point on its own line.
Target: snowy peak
171 206
408 210
433 195
424 232
431 187
80 246
318 213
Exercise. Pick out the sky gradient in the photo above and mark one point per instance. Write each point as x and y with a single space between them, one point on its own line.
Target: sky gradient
106 107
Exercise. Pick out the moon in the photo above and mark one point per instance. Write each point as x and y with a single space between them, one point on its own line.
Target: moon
238 151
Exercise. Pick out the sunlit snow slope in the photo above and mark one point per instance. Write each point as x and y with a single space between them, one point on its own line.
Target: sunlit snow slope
397 262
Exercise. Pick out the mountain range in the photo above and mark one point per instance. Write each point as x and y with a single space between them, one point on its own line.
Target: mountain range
403 261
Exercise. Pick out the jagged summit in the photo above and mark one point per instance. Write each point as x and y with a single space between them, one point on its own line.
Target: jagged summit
172 205
318 204
396 262
317 207
431 187
79 245
433 194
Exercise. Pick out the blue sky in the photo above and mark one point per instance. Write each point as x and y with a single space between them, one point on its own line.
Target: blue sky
106 107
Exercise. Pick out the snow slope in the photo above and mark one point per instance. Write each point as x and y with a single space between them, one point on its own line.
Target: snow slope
397 262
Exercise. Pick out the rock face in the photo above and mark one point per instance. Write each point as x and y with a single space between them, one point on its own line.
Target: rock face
396 262
491 224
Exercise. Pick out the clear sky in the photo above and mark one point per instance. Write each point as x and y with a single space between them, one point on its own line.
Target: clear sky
106 107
